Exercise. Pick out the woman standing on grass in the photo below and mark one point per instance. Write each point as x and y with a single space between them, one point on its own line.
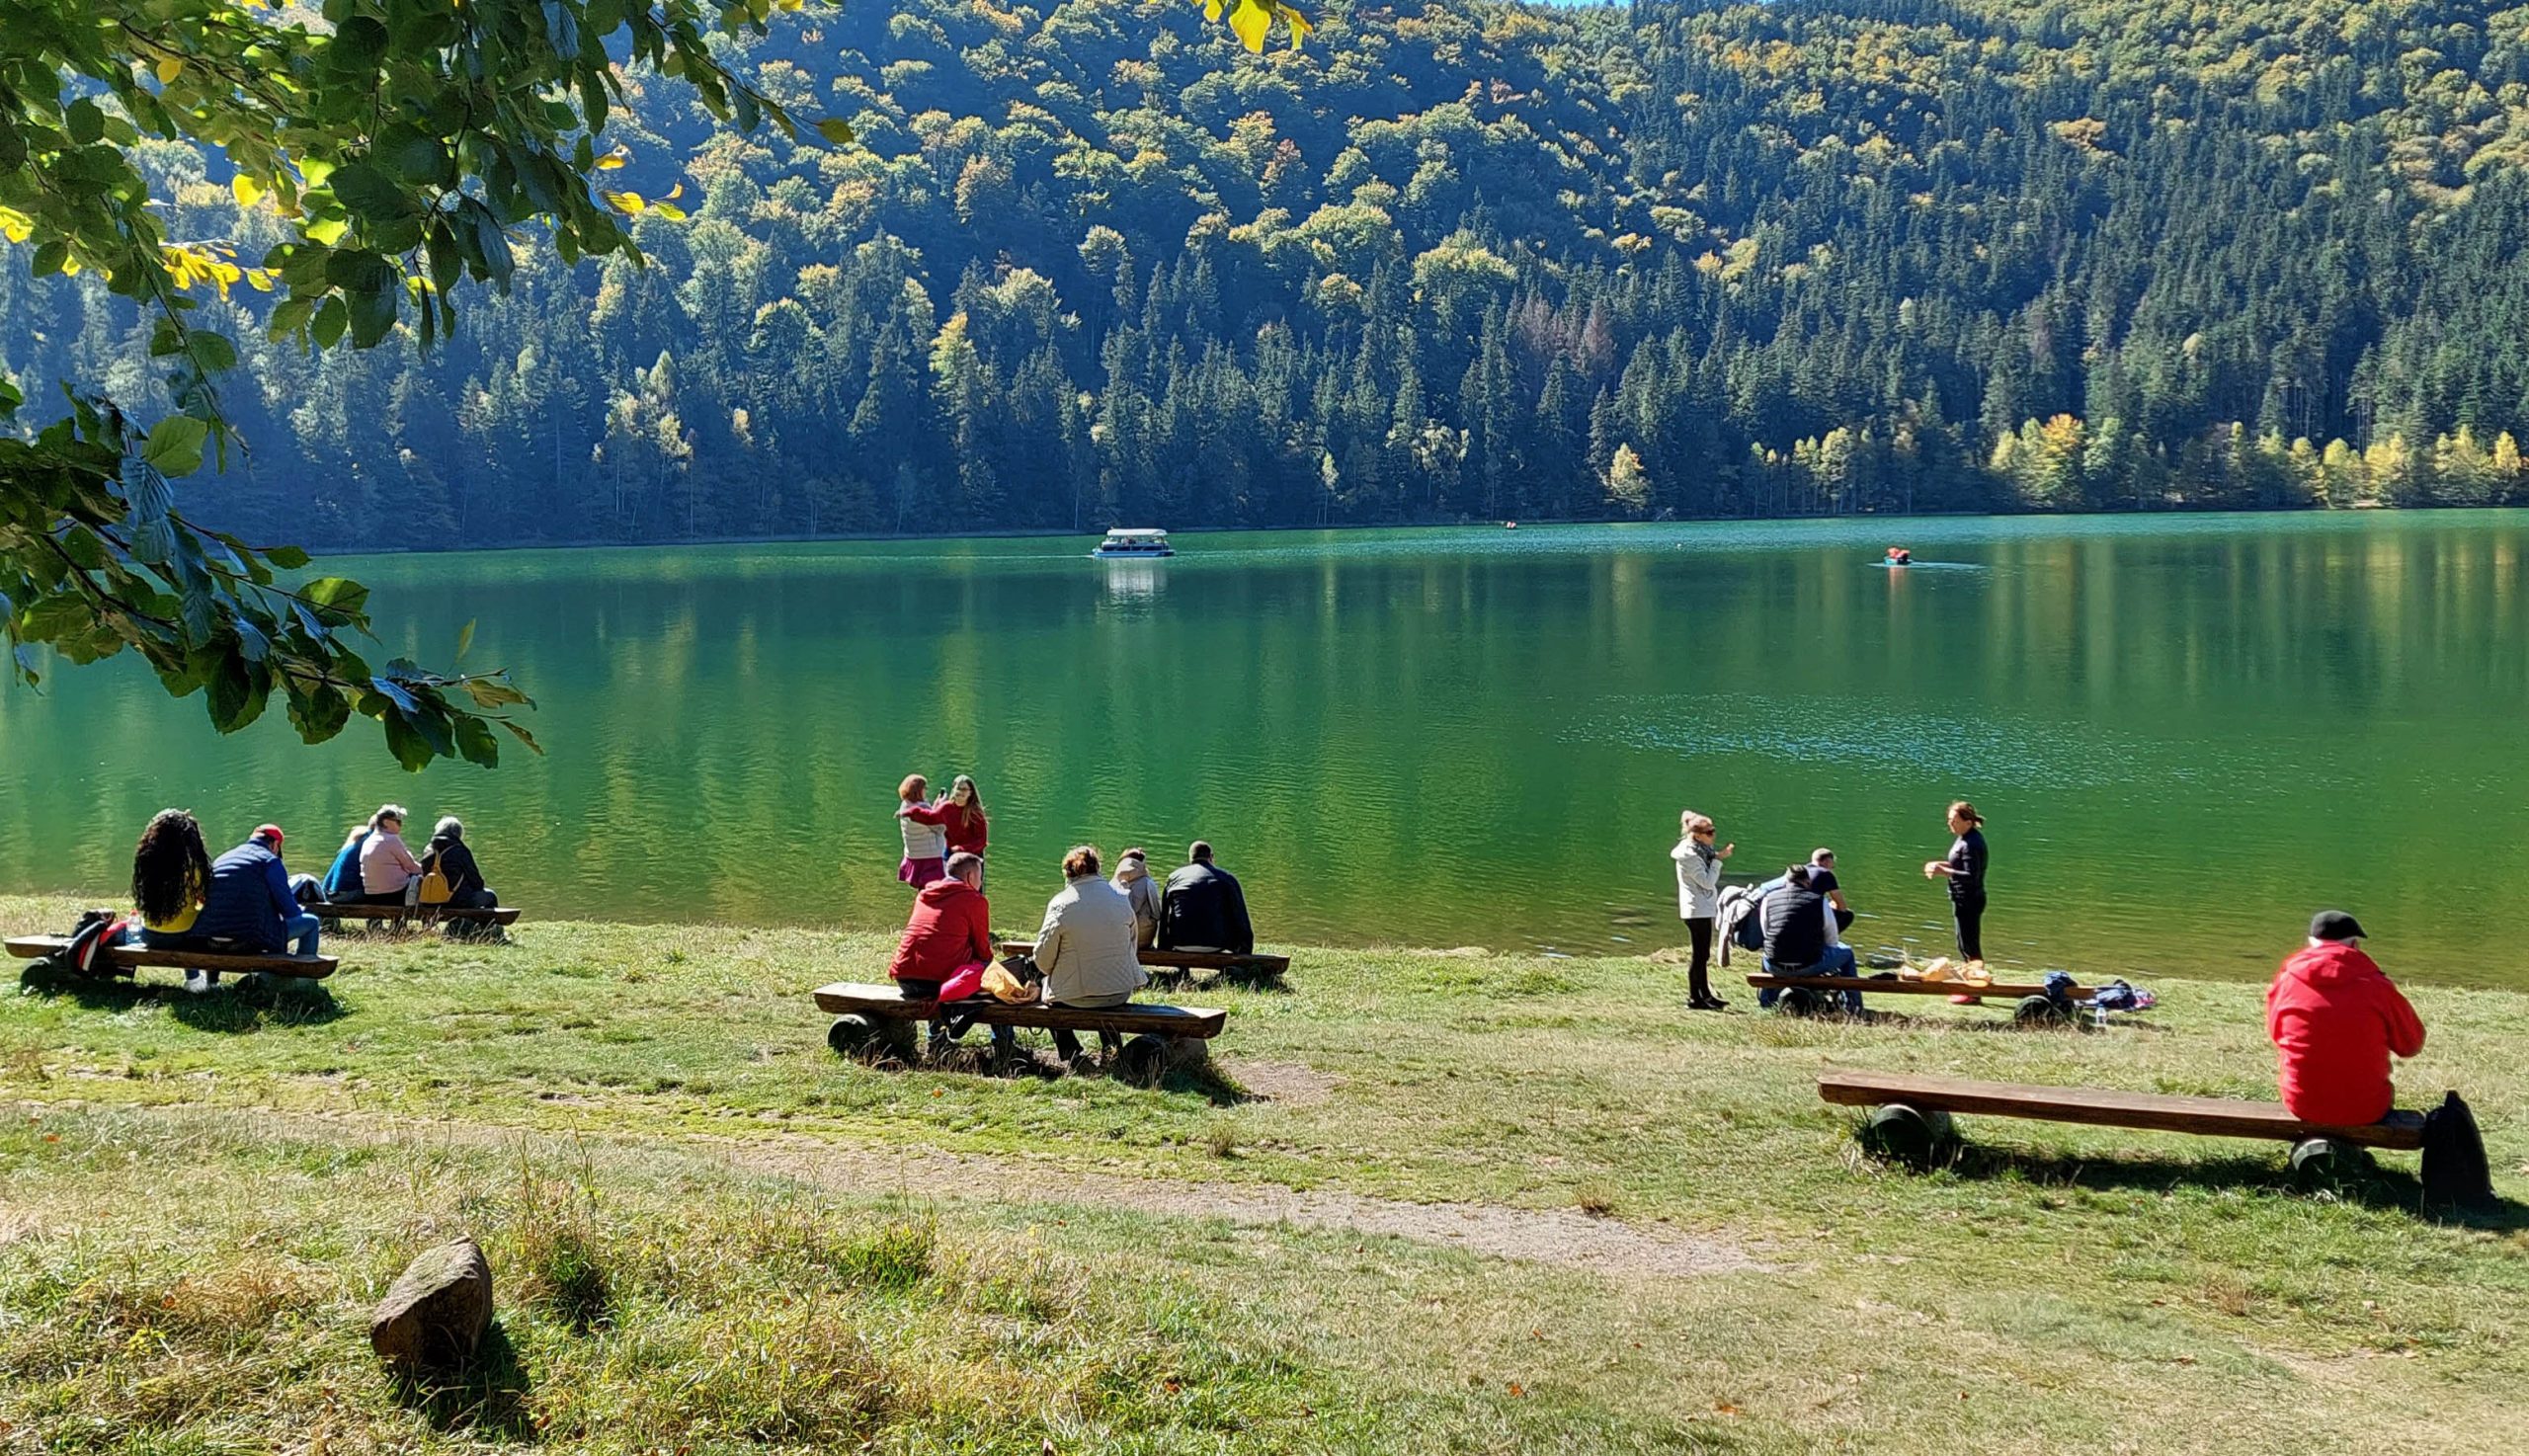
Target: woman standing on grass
1965 871
965 822
1698 900
925 840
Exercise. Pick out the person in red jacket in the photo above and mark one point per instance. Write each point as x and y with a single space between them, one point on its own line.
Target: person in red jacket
947 942
2336 1017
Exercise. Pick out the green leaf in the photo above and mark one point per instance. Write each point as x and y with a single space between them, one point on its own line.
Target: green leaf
338 601
409 747
331 320
465 639
287 559
48 258
492 691
837 131
175 446
320 713
475 741
366 190
519 731
85 119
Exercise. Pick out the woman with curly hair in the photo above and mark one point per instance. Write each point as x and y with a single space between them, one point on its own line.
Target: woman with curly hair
170 878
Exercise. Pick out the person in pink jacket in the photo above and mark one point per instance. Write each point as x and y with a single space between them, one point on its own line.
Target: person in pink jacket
386 865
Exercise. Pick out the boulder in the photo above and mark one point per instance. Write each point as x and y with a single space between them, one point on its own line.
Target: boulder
438 1311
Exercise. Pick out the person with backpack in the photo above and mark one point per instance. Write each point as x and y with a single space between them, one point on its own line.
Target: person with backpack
1698 902
1964 868
2336 1019
1801 938
452 861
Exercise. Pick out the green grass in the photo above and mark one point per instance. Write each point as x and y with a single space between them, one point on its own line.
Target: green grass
612 1109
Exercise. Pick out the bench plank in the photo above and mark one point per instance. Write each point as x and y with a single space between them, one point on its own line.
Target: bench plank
1189 960
499 914
2153 1112
129 958
848 997
1994 989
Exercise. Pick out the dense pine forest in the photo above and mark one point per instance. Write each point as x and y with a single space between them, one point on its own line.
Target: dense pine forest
1090 264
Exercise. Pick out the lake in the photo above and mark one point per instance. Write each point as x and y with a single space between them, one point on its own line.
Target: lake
2188 732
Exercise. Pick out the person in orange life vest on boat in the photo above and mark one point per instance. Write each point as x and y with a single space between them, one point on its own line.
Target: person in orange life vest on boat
2337 1019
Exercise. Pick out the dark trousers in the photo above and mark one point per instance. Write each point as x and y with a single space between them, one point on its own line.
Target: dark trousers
1699 967
1967 912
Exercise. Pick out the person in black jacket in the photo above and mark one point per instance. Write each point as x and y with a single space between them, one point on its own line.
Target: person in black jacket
449 856
1204 909
1964 868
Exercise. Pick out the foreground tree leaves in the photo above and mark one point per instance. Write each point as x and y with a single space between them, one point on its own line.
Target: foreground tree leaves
409 145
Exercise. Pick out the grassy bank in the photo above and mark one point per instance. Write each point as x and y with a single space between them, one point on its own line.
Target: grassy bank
804 1254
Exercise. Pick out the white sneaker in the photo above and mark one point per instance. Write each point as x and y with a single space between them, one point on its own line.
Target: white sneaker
196 982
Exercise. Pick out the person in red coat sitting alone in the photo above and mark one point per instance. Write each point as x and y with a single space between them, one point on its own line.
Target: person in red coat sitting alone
2336 1017
948 942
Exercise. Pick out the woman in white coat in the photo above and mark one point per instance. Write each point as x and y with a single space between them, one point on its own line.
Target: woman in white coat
1698 900
1086 946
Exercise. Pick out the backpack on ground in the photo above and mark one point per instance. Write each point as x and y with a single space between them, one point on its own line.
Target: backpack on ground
342 880
2455 1173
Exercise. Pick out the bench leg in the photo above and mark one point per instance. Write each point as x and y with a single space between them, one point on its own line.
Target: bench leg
1907 1135
2041 1010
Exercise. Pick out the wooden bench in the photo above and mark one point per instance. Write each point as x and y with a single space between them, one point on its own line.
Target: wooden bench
123 960
870 1013
2030 1004
1910 1114
1253 970
498 914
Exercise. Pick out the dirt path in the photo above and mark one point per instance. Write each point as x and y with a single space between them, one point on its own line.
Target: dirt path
1567 1238
1553 1236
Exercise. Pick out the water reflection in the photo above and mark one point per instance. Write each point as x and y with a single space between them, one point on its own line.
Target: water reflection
2189 732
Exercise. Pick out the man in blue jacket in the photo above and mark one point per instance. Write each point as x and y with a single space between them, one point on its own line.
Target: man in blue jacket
250 904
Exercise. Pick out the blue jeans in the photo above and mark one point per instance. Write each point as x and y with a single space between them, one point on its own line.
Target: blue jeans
1838 961
301 929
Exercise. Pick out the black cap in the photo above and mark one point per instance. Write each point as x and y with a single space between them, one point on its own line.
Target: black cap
2335 925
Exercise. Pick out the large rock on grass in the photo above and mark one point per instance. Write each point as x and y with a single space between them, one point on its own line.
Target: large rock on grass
438 1311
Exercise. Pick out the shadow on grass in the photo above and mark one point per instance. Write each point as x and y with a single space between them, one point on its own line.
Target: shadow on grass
489 1399
2384 1186
236 1004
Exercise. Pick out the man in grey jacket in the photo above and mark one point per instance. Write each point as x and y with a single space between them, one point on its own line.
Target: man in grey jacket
1086 946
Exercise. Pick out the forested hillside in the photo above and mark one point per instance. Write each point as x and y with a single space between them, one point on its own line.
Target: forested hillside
1092 264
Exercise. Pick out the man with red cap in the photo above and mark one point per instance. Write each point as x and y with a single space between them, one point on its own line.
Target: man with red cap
249 902
2336 1017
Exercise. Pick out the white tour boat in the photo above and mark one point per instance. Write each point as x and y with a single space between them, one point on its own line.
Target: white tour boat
1132 546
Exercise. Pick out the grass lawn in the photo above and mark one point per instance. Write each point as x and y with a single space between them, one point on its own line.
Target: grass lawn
712 1234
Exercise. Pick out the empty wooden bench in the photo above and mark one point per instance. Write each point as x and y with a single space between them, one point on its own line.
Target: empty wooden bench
2030 1004
124 960
498 914
1910 1114
1253 970
866 1014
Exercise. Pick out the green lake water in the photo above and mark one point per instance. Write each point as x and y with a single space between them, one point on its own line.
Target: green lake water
2188 732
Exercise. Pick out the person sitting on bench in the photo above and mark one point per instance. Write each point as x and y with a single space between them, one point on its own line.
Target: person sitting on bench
1822 878
249 902
170 879
1801 938
2336 1019
1086 947
1133 877
1204 909
448 854
947 944
386 865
